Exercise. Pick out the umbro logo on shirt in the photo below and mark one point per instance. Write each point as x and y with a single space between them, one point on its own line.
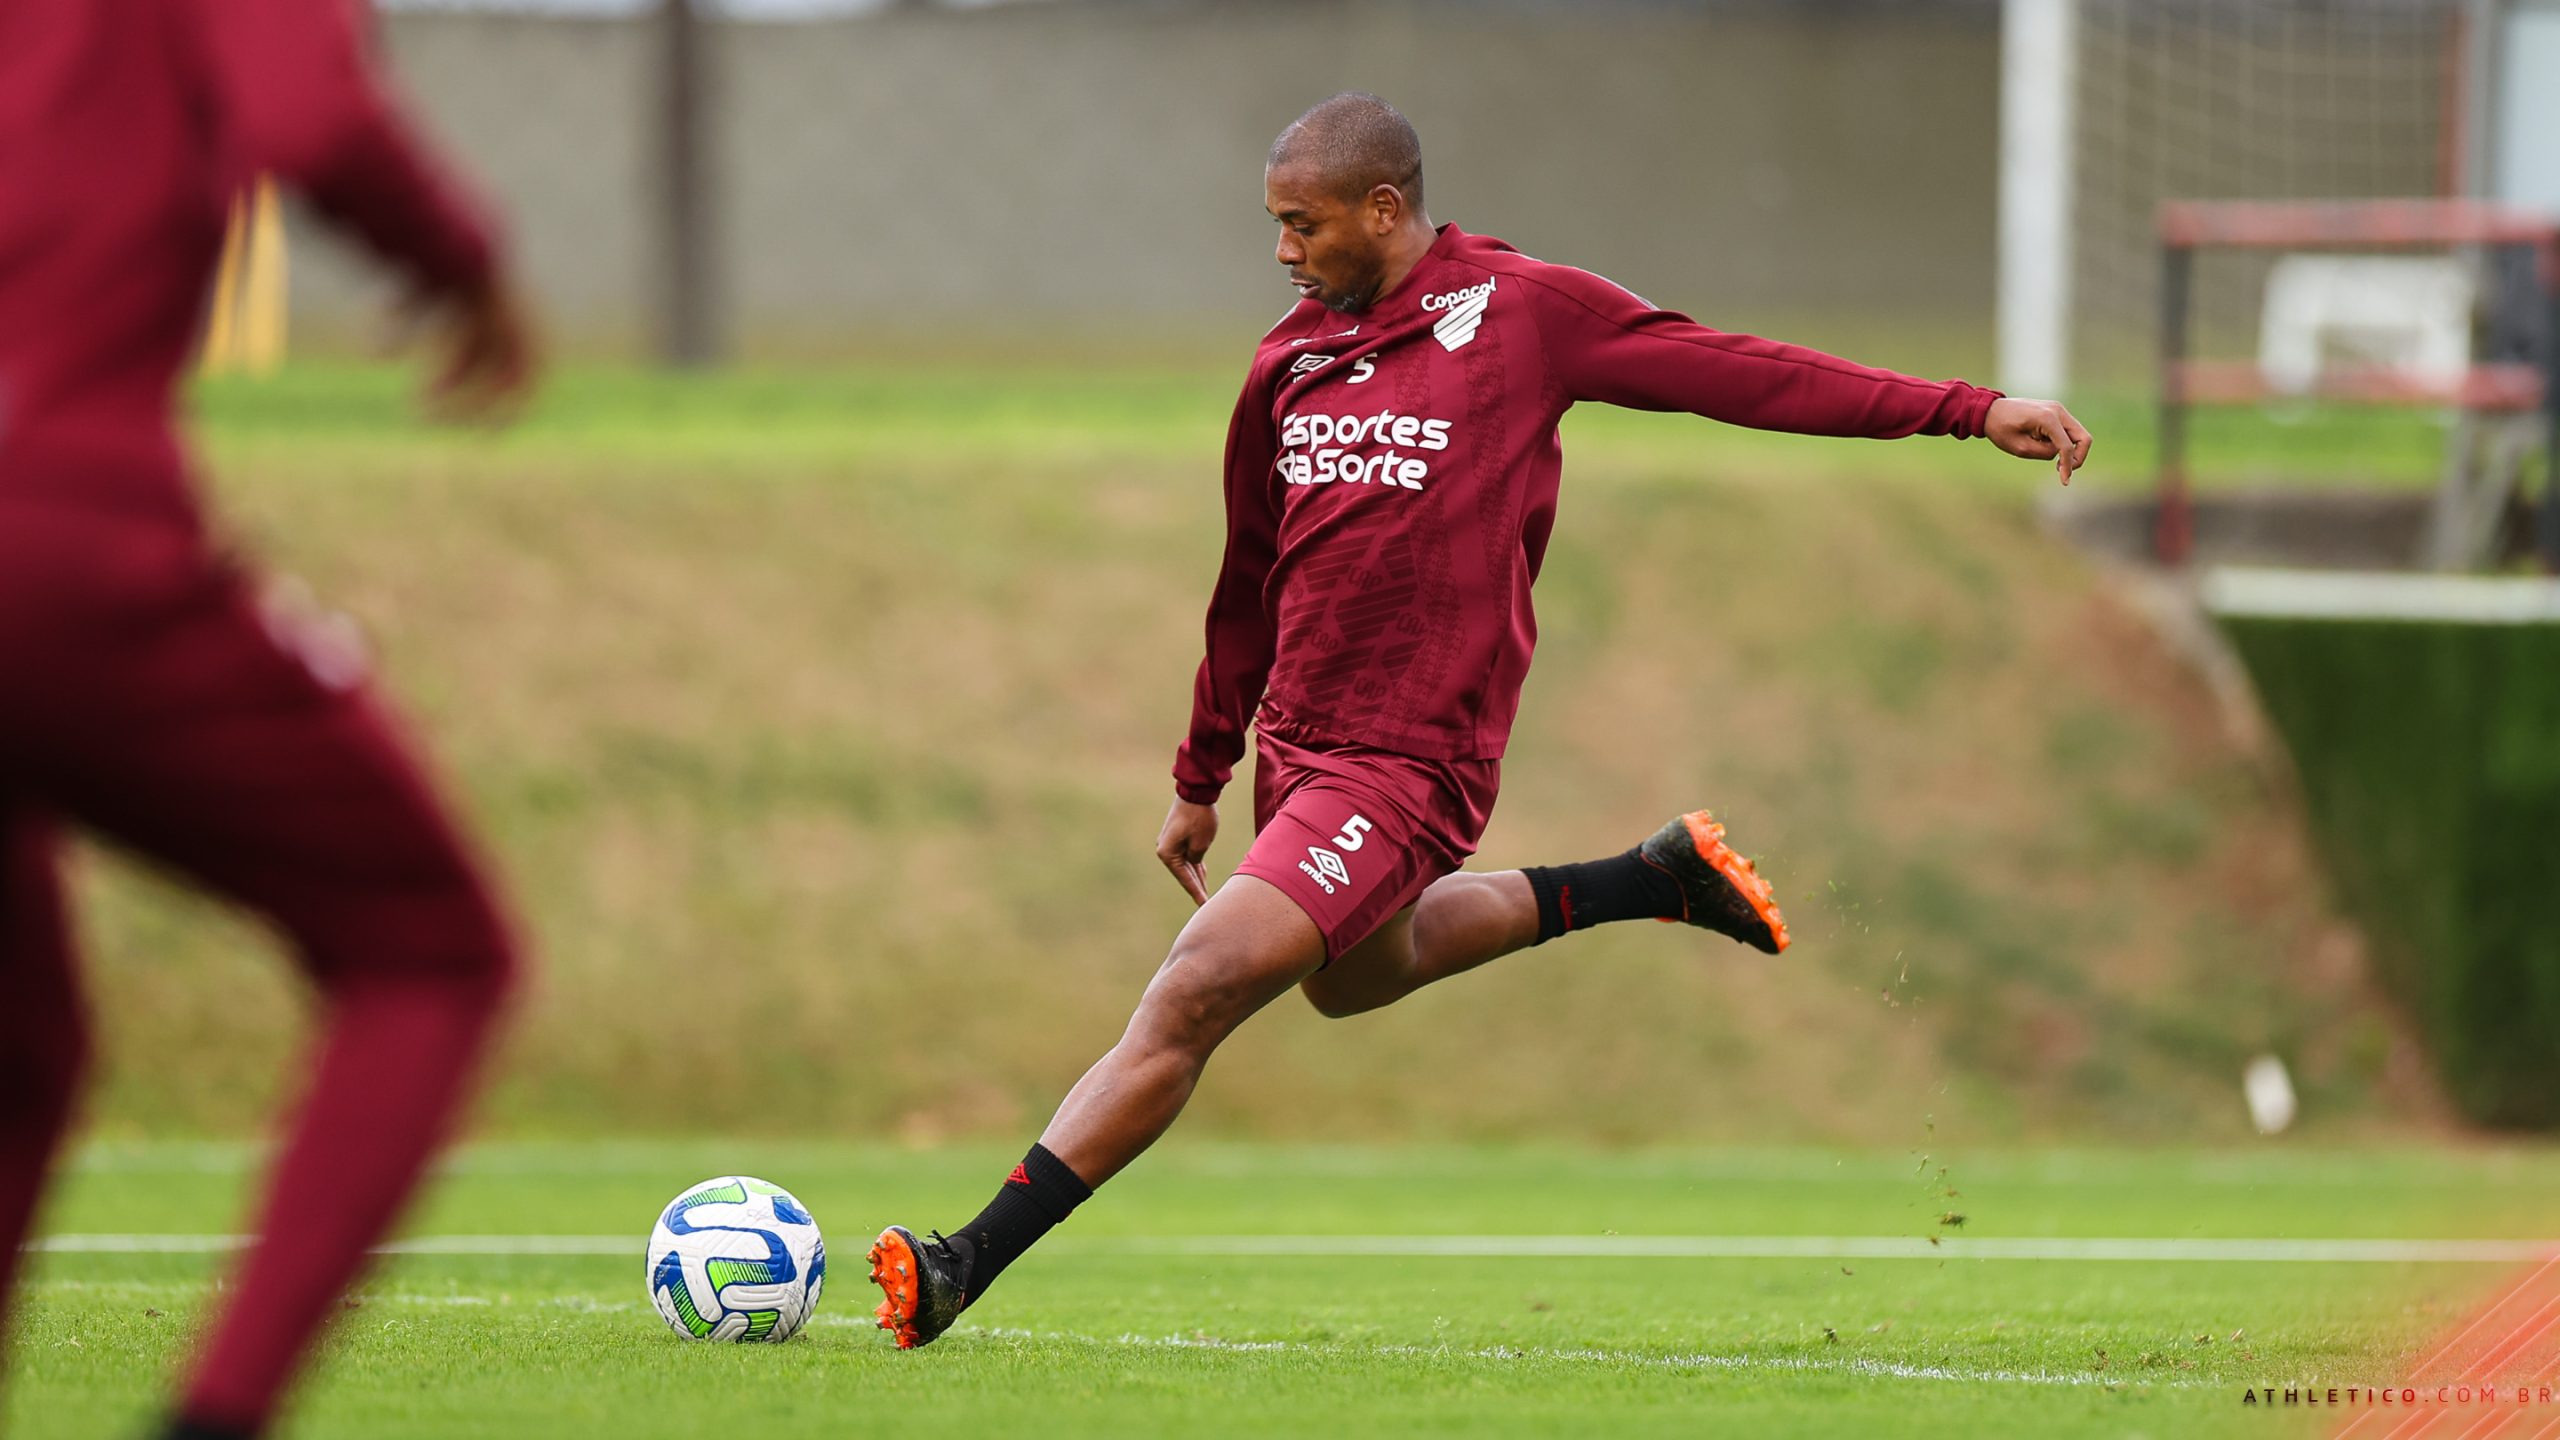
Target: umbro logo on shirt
1464 312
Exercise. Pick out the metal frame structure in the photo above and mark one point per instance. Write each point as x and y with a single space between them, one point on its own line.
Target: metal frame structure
2188 226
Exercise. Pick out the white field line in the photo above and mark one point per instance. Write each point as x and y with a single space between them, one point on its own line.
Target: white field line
2321 1170
1664 1247
1615 1359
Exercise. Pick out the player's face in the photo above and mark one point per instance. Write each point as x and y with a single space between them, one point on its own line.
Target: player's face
1335 250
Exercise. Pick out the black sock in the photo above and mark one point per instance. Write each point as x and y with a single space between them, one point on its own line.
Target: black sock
1041 1192
1595 892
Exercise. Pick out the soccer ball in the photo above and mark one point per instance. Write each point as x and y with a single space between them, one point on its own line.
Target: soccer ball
735 1258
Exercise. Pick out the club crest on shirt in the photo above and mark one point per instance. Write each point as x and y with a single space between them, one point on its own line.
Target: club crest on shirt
1461 312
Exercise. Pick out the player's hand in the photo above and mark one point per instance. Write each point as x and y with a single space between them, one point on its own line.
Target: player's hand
2038 430
485 362
1188 832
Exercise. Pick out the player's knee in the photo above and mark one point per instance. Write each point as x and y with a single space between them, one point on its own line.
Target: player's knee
452 935
1198 996
485 960
1181 1013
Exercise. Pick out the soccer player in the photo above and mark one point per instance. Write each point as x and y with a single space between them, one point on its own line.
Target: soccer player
145 692
1391 481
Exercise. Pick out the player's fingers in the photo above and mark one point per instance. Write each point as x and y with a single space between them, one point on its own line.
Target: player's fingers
1195 877
1186 873
482 383
2071 443
455 387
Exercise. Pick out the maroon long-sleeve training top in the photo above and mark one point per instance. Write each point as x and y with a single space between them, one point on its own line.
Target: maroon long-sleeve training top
1391 482
125 128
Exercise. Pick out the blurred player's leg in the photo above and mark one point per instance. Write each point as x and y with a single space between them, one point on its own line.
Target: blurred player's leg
194 728
394 1061
43 1034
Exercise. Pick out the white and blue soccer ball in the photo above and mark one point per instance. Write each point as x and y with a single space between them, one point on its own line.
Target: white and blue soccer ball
735 1258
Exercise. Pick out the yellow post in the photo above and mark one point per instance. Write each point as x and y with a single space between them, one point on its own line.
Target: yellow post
263 294
245 327
220 347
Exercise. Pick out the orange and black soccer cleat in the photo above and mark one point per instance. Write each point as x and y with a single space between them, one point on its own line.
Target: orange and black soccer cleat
924 1285
1719 890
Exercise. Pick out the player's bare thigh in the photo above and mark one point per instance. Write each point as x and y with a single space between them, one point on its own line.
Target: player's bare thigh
1247 946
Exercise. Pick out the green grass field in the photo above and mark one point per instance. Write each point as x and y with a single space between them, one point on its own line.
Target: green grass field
1141 1317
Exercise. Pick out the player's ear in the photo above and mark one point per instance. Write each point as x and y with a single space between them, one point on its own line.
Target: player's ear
1386 207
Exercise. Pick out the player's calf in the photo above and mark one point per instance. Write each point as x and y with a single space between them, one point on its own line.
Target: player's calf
1247 946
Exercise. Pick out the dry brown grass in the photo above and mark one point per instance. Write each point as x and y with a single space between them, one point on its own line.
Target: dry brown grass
828 782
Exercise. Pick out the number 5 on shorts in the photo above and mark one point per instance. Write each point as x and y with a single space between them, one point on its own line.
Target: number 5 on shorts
1354 830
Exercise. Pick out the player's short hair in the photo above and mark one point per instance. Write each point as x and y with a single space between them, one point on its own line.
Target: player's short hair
1357 142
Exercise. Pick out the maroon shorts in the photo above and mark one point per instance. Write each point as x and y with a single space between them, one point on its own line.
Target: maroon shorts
147 692
1355 835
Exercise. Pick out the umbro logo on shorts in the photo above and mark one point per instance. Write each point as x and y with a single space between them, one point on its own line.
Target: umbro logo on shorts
1325 868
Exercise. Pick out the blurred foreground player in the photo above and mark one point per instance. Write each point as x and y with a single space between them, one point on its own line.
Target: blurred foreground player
1391 481
145 694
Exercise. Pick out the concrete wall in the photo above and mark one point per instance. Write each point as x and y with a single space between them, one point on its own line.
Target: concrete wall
1078 168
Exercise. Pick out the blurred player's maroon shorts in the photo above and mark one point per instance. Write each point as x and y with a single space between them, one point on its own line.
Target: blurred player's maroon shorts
148 694
1354 835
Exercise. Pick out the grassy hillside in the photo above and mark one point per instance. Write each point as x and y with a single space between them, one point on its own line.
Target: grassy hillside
799 707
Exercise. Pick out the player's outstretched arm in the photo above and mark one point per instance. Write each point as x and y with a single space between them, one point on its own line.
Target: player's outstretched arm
2038 430
304 102
1605 343
1189 830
